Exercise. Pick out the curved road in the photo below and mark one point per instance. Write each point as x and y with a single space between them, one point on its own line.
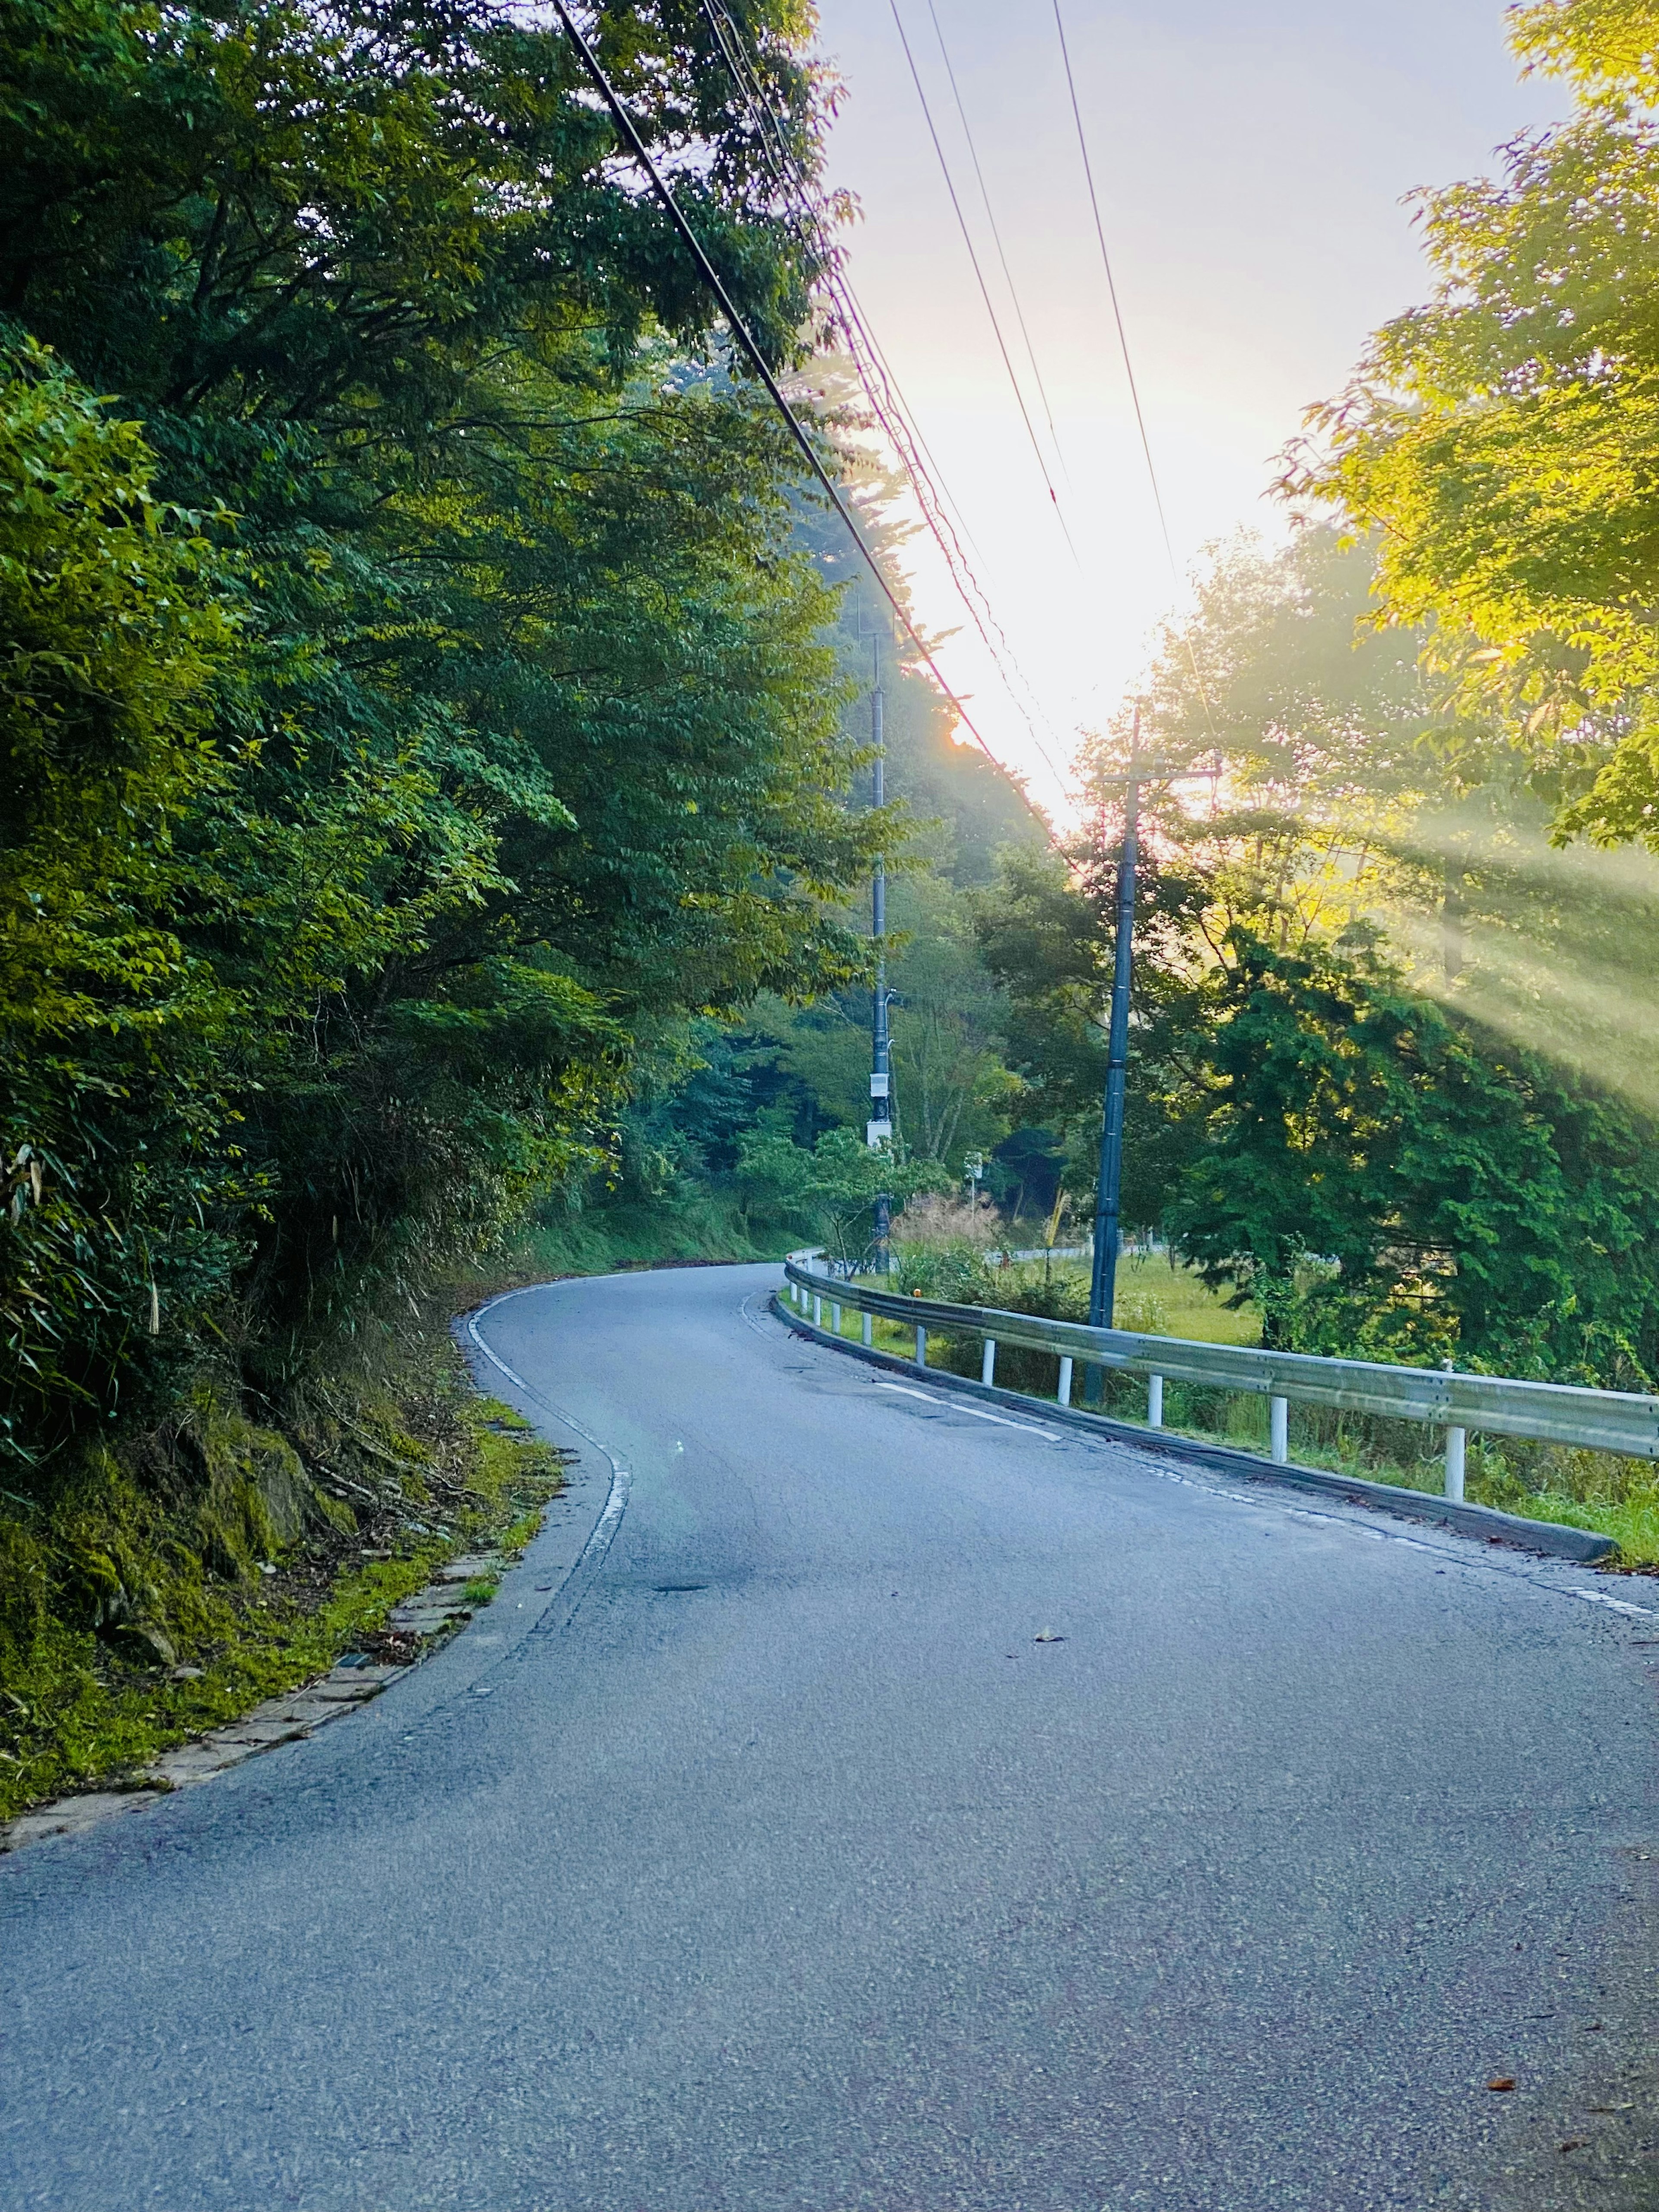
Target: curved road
777 1860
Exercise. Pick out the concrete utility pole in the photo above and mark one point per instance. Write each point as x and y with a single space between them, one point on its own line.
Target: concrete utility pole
1103 1287
878 1130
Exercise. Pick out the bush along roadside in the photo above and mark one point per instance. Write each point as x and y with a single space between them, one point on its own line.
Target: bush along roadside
159 1591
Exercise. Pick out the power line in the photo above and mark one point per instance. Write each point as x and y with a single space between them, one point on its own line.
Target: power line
1123 346
892 412
996 234
940 511
1111 289
739 328
984 289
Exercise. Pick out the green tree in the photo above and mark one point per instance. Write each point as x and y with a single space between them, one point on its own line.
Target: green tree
1501 438
1381 1180
1295 1099
953 1092
832 1187
125 1197
519 736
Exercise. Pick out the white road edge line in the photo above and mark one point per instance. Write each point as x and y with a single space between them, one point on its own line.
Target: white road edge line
1301 1513
591 1557
1618 1604
974 1412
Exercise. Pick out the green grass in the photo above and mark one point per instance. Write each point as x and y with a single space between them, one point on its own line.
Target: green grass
606 1239
1159 1298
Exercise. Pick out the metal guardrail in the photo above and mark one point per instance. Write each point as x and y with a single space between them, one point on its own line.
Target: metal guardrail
1549 1413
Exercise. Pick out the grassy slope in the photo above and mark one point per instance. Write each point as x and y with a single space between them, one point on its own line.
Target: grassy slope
606 1239
120 1579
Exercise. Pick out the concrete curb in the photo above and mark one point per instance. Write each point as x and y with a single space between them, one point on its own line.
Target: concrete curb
1549 1537
286 1719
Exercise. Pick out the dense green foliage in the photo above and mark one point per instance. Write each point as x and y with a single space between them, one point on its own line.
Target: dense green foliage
433 719
673 1185
414 691
1387 1081
421 723
1387 1182
1501 436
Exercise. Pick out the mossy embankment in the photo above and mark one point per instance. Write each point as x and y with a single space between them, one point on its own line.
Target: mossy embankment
159 1585
167 1580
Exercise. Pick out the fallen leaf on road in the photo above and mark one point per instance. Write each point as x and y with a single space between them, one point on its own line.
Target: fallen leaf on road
1502 2081
1577 2143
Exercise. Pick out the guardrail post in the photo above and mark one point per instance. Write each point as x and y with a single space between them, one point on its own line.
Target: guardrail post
1456 1439
1623 1422
834 1317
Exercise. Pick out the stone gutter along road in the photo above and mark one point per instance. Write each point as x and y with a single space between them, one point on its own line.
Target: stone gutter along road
789 1870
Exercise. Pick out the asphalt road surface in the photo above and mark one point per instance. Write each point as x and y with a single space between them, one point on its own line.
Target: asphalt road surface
905 1809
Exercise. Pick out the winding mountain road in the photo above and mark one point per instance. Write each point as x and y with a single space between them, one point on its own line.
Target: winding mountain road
903 1807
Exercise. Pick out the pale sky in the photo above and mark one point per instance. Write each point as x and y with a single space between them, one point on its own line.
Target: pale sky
1251 162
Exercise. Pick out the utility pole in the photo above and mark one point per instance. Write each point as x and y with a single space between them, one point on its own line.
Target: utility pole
1103 1287
1109 1191
879 1128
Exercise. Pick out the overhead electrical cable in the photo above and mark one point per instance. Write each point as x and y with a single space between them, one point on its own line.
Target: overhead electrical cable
984 289
875 373
739 330
1123 348
941 513
898 418
1111 289
996 234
